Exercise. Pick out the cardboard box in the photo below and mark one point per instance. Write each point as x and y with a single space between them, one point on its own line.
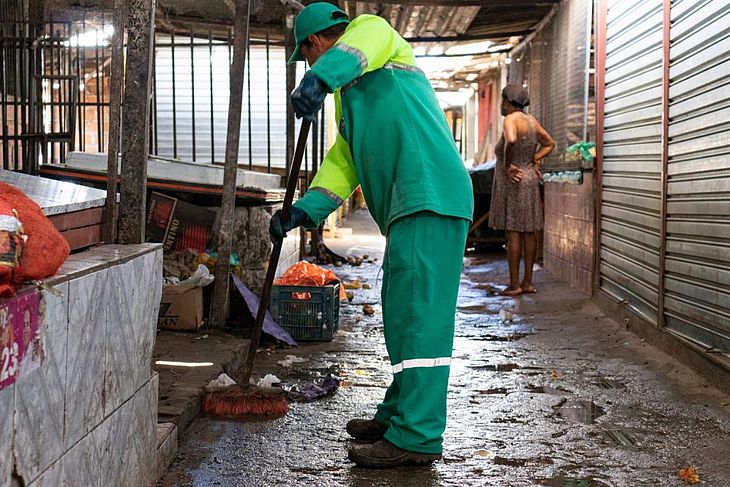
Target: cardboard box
181 308
178 225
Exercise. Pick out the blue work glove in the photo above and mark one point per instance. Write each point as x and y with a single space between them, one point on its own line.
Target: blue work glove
278 228
307 99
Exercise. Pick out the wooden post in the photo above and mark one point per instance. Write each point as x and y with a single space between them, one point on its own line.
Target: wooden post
291 79
219 305
135 122
115 106
36 146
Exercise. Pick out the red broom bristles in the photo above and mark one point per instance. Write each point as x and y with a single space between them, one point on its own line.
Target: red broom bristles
238 401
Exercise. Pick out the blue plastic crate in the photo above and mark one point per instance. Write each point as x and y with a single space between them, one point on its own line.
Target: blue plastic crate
308 313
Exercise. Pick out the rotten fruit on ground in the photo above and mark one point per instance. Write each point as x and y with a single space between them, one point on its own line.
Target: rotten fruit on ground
354 261
366 286
353 284
368 310
350 296
689 475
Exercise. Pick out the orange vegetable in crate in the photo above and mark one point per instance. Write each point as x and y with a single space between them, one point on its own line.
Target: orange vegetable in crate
306 274
45 249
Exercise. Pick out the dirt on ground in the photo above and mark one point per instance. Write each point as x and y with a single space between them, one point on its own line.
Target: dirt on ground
544 390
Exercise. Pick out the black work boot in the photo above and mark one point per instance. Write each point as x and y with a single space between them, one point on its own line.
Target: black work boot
366 429
384 454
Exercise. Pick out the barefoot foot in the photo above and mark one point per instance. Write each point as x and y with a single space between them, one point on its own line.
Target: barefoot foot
511 291
528 288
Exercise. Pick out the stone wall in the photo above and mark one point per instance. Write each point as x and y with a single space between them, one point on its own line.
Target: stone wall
569 232
88 414
252 243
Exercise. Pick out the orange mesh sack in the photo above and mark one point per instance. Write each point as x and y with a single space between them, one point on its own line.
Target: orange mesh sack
45 249
306 274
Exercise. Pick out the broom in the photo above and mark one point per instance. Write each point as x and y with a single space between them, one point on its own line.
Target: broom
247 399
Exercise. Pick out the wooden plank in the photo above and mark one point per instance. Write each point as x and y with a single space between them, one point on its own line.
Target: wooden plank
115 106
225 223
77 219
80 238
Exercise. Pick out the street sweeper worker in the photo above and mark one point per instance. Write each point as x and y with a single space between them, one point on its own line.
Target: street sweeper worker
393 141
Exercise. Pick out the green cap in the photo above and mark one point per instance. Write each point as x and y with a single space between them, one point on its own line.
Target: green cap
314 18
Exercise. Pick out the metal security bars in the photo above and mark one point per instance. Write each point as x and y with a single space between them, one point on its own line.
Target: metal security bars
54 93
190 100
54 86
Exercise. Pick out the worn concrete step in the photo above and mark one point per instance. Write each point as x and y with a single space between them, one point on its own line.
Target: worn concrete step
166 446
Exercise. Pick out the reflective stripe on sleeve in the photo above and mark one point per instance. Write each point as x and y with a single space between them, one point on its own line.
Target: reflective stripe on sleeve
330 194
422 363
355 52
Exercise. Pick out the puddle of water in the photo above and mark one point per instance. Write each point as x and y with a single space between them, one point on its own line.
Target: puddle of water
619 437
495 367
545 390
570 482
580 411
604 383
522 462
497 338
495 390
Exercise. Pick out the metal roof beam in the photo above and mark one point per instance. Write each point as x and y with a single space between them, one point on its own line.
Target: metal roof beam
464 38
474 3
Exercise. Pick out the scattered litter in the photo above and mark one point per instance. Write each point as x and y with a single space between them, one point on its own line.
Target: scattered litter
506 315
368 310
358 318
689 475
485 454
350 296
291 359
554 374
366 256
221 382
360 372
314 390
353 284
268 381
366 286
252 302
201 337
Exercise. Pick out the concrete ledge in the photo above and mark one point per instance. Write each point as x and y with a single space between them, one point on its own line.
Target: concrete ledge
166 446
181 388
711 367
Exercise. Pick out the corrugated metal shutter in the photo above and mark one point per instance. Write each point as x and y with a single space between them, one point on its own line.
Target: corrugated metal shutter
201 63
631 194
697 299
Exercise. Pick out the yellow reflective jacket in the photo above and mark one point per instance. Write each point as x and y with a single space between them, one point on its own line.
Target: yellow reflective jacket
393 138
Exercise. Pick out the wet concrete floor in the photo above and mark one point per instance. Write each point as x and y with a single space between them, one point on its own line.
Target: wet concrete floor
545 390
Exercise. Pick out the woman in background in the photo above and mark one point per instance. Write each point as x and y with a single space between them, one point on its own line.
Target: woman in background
515 206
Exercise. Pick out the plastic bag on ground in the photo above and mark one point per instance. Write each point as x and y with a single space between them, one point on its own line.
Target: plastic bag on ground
200 278
222 382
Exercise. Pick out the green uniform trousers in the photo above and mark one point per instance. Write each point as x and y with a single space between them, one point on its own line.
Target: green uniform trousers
422 270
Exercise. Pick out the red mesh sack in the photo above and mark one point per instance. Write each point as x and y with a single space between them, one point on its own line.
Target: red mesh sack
11 246
45 249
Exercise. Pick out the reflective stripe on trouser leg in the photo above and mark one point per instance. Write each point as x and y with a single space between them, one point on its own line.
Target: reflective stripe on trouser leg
422 269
